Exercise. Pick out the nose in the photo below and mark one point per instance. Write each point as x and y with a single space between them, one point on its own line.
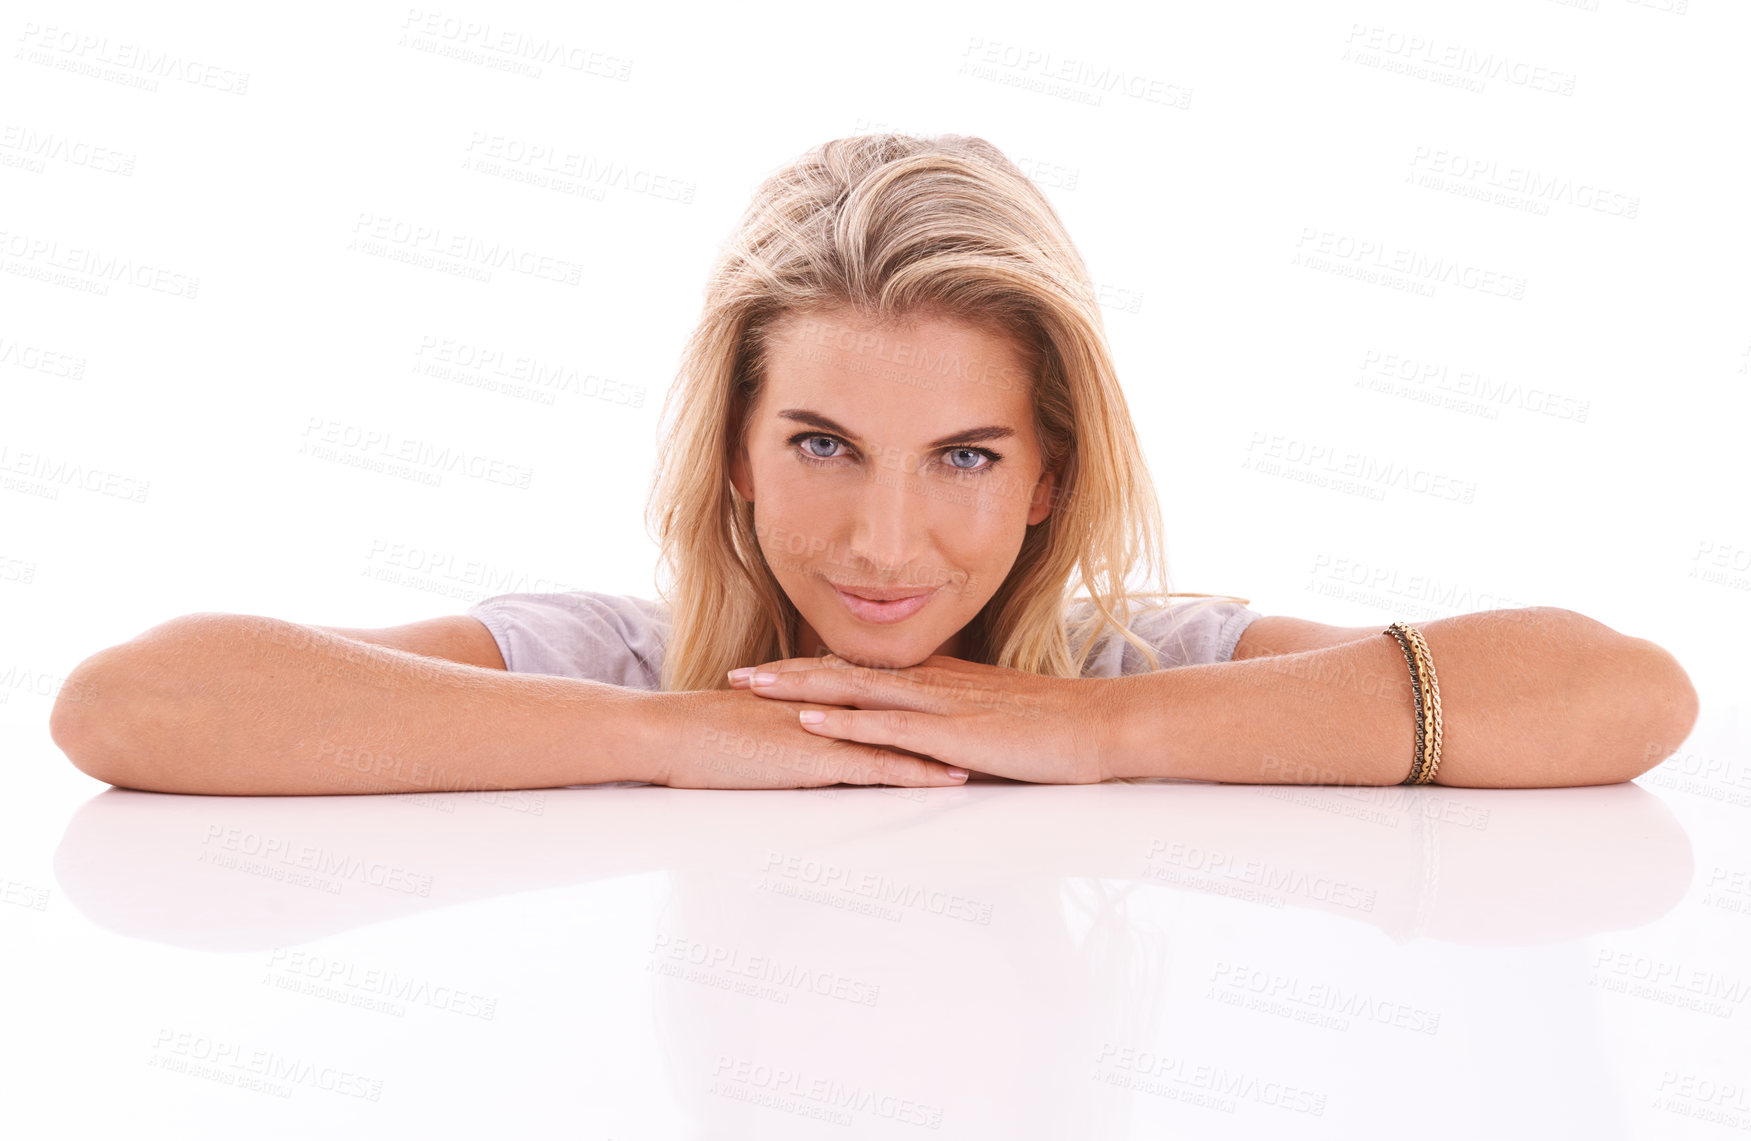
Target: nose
890 522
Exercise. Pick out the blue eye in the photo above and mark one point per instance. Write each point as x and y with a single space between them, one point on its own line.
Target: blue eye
812 455
809 455
974 452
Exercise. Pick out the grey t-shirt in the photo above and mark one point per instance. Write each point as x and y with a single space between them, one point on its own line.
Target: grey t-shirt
619 638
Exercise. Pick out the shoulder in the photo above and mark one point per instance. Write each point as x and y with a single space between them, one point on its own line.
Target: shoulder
616 638
625 607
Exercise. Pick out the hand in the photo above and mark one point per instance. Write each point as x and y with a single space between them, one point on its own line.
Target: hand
718 738
990 719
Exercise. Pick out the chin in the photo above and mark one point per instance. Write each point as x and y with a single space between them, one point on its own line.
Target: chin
881 653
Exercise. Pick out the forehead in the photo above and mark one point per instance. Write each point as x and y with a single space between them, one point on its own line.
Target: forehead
930 370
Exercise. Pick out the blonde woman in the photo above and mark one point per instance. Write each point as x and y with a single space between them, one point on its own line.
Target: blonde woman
908 534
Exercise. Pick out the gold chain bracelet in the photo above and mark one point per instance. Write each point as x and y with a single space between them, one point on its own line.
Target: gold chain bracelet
1426 693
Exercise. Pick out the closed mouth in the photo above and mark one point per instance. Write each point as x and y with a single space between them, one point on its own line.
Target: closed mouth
880 594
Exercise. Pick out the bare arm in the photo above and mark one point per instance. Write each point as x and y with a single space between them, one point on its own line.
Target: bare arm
1536 697
237 705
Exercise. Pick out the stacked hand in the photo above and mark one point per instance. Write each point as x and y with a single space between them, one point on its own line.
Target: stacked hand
911 726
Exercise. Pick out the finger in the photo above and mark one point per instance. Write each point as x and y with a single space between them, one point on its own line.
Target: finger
908 730
740 677
880 766
863 687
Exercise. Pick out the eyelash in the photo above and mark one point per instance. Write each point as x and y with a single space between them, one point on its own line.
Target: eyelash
798 439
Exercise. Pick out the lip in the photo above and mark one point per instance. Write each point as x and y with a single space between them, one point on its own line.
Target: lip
881 593
902 604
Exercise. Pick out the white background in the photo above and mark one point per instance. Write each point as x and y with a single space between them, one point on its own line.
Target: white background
186 307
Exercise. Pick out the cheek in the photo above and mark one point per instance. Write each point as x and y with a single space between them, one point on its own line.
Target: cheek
979 530
984 546
789 522
789 545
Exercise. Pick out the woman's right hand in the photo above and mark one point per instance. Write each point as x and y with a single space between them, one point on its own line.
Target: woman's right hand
734 738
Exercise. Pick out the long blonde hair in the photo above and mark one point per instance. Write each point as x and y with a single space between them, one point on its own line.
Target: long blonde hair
891 226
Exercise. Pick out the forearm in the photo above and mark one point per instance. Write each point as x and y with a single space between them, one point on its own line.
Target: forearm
245 705
1529 698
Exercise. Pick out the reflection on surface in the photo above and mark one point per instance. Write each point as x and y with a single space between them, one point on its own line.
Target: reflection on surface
1487 866
996 960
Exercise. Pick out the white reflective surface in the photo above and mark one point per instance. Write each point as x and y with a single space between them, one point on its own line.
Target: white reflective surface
1004 960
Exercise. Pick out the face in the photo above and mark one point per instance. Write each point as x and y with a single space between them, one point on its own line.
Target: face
891 461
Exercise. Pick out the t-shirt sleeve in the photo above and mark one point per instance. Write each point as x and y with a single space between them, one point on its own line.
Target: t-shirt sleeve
1203 631
1198 631
613 638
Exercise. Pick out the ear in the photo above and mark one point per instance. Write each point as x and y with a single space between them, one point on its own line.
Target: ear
1045 496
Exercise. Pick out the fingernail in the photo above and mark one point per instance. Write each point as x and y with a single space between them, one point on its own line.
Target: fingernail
741 674
765 679
958 774
811 717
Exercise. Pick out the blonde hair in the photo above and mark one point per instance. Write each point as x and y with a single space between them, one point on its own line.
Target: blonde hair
891 226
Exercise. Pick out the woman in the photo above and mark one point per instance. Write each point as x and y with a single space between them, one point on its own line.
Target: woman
896 443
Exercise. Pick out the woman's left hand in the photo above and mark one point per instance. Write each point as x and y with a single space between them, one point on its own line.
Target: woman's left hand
985 719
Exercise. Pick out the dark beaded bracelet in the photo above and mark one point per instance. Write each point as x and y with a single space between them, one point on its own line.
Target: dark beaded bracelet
1425 693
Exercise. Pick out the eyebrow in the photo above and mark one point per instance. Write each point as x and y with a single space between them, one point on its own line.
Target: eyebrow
970 436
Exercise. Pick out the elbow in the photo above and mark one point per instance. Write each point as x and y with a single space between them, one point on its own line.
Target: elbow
121 716
1670 701
1630 703
95 720
82 727
1650 708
